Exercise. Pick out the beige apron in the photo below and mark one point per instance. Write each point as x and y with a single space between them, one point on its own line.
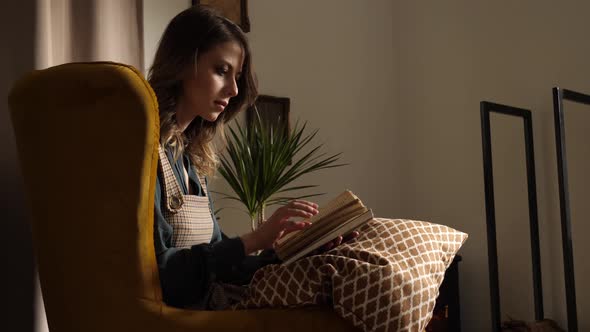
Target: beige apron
192 223
189 215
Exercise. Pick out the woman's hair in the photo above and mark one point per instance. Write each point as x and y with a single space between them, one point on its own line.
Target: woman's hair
192 32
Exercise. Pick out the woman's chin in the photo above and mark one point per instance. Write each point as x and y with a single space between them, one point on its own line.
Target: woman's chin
211 117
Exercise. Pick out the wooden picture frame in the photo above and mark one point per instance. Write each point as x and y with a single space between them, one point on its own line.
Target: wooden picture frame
235 10
273 110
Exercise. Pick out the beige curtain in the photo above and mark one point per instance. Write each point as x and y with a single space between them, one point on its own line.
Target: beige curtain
89 30
85 30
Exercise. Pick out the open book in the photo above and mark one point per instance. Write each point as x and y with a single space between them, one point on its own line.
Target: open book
340 216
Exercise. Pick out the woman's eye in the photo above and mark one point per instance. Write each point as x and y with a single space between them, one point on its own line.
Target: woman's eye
222 71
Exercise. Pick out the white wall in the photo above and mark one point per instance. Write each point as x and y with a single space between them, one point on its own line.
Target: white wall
156 15
451 55
333 59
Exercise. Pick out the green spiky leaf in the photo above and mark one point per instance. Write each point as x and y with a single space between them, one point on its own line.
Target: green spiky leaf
262 161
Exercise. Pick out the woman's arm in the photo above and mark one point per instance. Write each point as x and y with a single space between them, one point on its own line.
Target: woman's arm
185 274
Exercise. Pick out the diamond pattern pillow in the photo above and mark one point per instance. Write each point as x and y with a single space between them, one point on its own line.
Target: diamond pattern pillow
387 279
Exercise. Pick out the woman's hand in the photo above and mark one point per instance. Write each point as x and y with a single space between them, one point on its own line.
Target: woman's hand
279 224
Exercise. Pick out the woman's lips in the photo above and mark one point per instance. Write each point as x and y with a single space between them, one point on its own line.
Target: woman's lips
221 104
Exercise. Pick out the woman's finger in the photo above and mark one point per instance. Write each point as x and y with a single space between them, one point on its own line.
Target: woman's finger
286 213
302 209
291 226
303 202
351 236
297 205
327 246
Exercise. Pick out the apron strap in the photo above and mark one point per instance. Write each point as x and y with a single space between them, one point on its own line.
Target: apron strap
173 197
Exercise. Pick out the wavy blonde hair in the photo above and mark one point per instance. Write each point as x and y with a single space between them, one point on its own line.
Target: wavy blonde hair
192 32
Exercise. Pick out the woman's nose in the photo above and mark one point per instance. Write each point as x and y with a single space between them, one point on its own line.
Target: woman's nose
232 88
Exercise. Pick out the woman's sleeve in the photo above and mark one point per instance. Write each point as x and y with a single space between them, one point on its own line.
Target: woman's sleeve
185 274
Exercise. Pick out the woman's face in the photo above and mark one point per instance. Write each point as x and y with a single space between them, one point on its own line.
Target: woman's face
207 91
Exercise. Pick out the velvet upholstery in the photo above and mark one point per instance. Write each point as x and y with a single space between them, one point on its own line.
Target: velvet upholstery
87 136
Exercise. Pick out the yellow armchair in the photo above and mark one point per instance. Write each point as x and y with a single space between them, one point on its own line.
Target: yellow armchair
87 137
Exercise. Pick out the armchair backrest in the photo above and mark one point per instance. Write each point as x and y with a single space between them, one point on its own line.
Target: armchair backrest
87 137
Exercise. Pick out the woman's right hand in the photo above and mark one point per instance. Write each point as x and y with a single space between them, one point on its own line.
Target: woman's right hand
279 224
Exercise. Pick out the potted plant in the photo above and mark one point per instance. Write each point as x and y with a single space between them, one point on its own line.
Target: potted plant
261 162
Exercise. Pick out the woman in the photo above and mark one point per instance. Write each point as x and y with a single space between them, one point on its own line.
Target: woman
202 77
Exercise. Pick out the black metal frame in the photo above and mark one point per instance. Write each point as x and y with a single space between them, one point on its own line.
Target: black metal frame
564 201
486 108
